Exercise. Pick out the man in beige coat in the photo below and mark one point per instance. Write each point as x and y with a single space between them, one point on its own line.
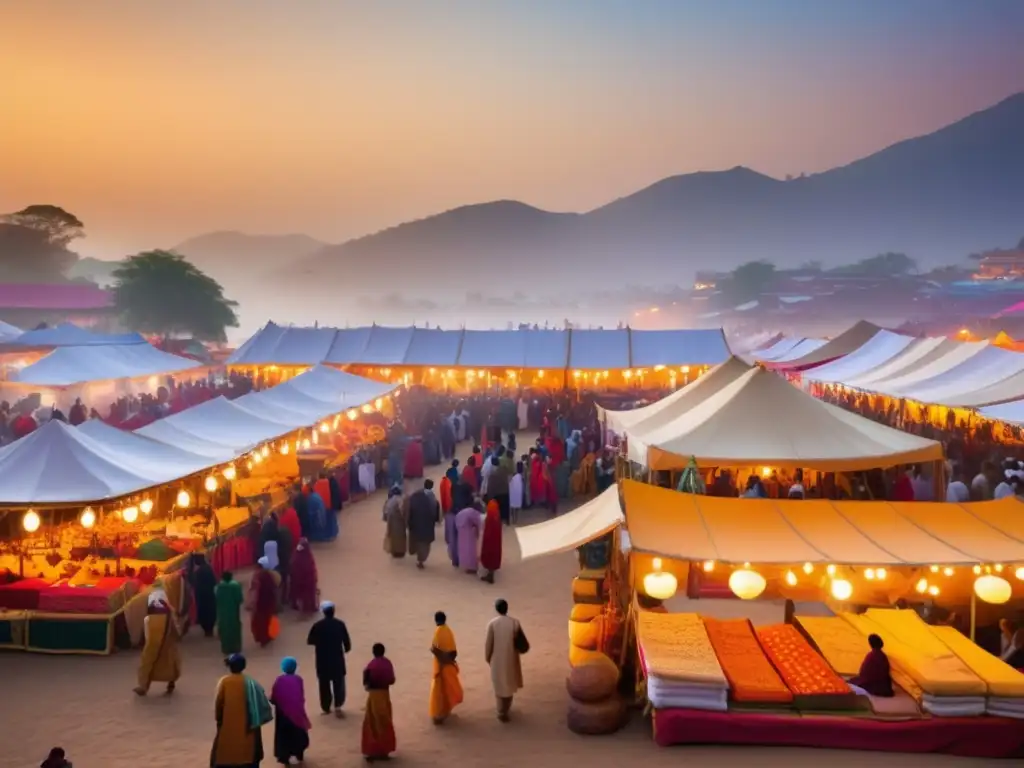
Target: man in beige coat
503 658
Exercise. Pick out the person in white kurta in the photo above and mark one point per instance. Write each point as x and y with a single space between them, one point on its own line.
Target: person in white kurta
515 492
503 658
523 414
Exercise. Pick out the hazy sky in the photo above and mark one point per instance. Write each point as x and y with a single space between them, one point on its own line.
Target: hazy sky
156 121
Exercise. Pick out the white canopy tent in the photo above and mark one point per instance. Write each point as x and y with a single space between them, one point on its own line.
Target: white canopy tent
878 350
68 366
990 366
566 532
219 422
926 369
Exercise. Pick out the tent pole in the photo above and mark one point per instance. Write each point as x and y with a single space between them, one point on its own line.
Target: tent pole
974 614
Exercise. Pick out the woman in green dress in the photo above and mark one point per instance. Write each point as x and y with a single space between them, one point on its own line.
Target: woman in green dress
229 614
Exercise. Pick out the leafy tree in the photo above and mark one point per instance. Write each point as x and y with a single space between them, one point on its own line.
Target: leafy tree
883 265
59 226
747 281
161 292
28 255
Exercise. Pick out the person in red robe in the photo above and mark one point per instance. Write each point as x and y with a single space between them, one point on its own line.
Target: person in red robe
447 485
875 677
550 492
264 602
469 474
490 543
903 488
556 450
538 489
290 520
304 580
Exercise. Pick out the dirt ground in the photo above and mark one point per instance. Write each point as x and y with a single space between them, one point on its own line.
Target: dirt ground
86 704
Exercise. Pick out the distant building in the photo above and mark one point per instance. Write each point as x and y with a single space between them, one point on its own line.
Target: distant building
84 304
1001 265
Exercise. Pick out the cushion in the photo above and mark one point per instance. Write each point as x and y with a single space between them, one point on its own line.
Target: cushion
594 680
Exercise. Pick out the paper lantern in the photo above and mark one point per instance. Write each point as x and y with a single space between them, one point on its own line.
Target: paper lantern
1019 573
841 589
353 414
210 484
747 584
184 500
658 584
87 518
993 589
31 522
146 506
791 578
808 568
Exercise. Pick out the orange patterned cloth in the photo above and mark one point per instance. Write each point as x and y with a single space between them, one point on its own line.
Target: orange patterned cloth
802 669
751 676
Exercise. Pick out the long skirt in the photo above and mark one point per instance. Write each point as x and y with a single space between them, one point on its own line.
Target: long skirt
378 725
289 739
257 752
260 626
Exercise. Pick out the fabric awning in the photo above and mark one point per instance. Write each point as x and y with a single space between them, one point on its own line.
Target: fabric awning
879 349
761 419
565 532
841 345
954 354
648 349
685 526
68 366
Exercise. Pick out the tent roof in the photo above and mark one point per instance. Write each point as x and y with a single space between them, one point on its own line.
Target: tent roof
991 365
8 331
565 532
878 350
495 349
217 422
1000 393
149 451
800 350
349 345
60 464
678 347
432 346
599 349
70 335
779 348
761 419
677 403
843 344
926 369
693 527
387 346
919 353
66 366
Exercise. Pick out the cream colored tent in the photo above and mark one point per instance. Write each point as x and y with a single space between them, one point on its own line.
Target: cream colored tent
760 419
678 402
565 532
945 356
843 344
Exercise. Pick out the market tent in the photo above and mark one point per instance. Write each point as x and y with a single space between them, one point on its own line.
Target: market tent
70 335
843 344
779 348
387 346
599 349
349 346
760 419
150 452
67 366
432 346
803 348
692 527
494 349
680 347
258 348
878 350
918 354
546 349
8 331
303 346
990 366
1001 392
60 464
690 396
896 386
217 422
566 532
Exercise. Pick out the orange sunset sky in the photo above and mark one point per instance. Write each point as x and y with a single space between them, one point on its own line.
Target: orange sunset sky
157 121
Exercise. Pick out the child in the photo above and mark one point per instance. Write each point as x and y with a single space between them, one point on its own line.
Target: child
515 492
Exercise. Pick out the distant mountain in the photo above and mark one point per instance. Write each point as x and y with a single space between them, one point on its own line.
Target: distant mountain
228 255
937 197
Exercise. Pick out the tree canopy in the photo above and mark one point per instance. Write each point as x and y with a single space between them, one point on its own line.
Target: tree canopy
34 244
747 281
160 292
883 265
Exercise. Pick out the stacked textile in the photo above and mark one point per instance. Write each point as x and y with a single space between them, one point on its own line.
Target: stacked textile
949 688
812 681
752 678
679 663
1005 684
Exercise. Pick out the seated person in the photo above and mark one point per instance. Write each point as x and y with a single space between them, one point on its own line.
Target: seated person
1013 646
874 678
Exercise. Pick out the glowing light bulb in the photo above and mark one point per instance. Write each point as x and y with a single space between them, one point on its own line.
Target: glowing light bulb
230 473
808 568
1019 573
88 518
31 522
791 578
379 403
830 570
869 574
305 444
265 451
324 428
146 505
921 586
880 573
257 458
841 589
210 484
709 566
130 514
998 567
947 571
285 449
977 570
353 414
184 499
934 569
933 591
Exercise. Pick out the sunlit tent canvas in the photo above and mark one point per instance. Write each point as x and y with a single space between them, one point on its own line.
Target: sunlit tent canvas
70 335
841 345
67 366
761 419
878 350
566 532
944 357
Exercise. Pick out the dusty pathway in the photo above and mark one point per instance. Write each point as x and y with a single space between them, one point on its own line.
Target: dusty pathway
86 705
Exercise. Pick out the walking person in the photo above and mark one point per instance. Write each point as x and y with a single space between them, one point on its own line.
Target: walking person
498 488
506 642
161 660
515 493
330 641
229 598
291 724
378 740
241 709
203 582
424 517
396 534
445 687
490 544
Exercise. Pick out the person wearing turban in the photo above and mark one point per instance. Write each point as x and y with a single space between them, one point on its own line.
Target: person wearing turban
161 660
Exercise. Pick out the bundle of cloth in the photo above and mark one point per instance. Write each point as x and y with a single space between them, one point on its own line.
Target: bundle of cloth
752 678
1004 684
679 663
948 687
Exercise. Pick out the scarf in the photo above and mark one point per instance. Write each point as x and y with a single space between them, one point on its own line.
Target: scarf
258 711
289 698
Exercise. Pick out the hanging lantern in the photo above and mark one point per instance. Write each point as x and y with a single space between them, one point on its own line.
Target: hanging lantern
658 584
184 500
709 566
31 522
880 574
747 584
230 473
87 518
1019 573
146 506
869 574
791 578
210 484
993 589
130 514
808 568
842 590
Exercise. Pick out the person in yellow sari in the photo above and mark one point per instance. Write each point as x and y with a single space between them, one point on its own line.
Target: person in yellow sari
161 661
445 688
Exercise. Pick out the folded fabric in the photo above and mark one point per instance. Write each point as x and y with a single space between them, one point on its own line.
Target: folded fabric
716 702
803 670
901 675
999 708
675 646
1000 678
752 678
838 641
953 706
